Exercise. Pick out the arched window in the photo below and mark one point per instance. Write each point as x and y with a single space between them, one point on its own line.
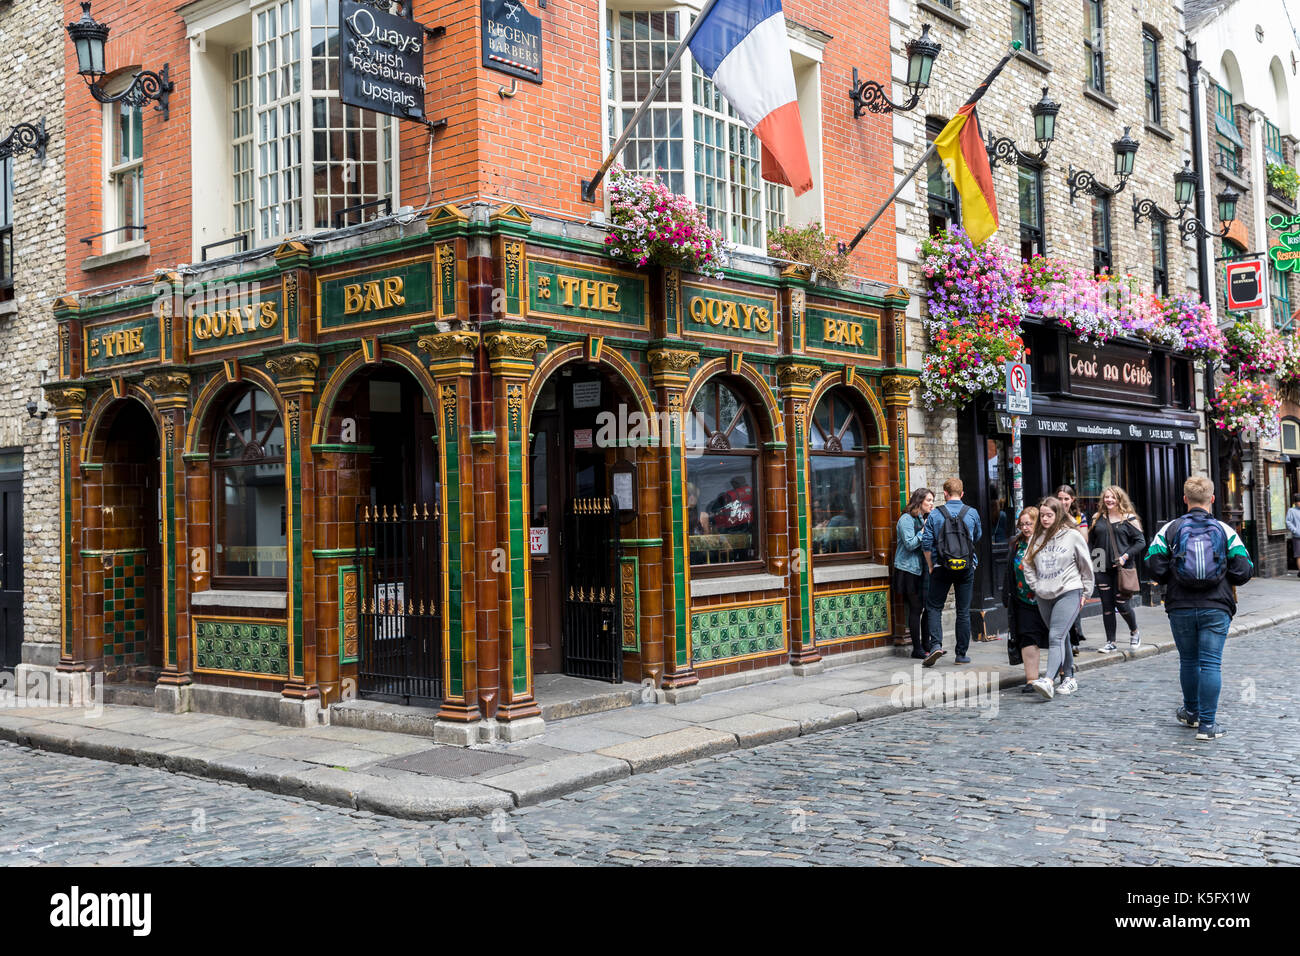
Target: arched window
837 456
723 500
248 502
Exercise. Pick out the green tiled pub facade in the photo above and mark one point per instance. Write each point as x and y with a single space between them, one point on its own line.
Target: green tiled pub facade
384 467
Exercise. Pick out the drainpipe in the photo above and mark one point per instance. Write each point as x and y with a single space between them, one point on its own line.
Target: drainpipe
1204 261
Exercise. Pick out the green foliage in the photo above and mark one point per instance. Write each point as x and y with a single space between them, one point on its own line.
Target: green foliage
811 246
1284 180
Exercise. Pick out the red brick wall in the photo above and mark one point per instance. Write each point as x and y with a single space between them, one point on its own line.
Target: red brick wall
534 148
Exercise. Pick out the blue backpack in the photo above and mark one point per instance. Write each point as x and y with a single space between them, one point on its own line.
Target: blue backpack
1200 551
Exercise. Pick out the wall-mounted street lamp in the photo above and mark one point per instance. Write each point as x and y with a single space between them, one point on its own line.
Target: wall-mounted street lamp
90 37
1004 149
1083 181
25 136
870 95
1184 187
1227 213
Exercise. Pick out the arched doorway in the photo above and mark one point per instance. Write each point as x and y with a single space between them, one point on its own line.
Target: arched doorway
392 499
131 545
583 429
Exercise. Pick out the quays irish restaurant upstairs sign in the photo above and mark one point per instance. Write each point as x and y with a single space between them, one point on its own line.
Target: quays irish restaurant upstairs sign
512 39
381 61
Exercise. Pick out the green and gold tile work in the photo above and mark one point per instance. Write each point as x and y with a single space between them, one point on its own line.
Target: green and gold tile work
256 648
125 628
728 633
849 615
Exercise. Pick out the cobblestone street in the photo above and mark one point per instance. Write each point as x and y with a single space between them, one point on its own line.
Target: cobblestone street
1106 776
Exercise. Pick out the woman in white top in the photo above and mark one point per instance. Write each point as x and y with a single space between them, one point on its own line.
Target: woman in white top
1058 569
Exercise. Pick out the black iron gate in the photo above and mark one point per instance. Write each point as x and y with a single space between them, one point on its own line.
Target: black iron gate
400 597
593 645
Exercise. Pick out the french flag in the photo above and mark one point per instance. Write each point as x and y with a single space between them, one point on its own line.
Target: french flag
741 45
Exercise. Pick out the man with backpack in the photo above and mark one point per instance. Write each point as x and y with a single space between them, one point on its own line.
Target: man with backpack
949 545
1201 560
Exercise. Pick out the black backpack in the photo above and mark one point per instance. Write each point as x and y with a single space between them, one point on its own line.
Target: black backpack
955 547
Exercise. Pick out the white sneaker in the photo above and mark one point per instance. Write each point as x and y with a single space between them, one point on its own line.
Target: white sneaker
1044 687
1109 647
1068 686
1134 641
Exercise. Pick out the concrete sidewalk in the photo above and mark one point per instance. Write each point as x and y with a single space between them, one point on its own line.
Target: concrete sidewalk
409 776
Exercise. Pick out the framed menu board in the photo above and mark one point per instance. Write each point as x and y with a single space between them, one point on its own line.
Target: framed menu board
1276 498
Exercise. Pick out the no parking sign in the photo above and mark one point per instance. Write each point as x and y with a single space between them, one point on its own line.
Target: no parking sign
1018 400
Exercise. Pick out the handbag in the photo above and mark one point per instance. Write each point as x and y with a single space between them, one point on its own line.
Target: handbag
1126 577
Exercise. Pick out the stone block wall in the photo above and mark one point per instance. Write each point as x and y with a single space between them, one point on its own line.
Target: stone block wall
31 87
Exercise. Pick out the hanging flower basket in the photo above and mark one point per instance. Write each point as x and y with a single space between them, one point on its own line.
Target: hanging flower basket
1251 350
966 360
650 223
969 283
1288 370
1192 319
1245 404
809 245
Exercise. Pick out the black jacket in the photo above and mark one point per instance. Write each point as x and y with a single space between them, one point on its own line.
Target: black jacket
1128 539
1159 565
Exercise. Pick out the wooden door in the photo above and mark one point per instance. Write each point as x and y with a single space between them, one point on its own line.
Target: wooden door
11 571
547 493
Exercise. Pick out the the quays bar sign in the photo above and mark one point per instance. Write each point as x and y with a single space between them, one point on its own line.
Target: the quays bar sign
235 322
358 299
381 61
593 294
122 342
722 314
841 331
1110 372
1054 426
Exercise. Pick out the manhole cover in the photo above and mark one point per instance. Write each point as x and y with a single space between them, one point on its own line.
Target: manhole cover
451 762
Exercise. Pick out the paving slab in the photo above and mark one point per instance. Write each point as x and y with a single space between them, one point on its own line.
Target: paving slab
584 738
345 757
640 722
753 730
531 785
814 717
679 746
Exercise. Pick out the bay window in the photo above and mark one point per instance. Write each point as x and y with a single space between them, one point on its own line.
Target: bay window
296 159
690 138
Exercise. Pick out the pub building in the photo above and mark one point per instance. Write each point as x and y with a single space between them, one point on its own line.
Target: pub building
1118 414
435 463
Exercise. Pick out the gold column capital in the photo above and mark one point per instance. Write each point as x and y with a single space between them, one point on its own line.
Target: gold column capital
796 379
171 389
451 353
69 403
296 372
672 367
898 388
512 352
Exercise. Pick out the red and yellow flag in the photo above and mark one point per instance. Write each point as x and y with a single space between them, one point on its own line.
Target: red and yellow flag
961 147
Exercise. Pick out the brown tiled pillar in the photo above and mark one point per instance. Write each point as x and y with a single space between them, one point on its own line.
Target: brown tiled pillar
171 397
672 373
69 409
511 355
796 392
295 376
452 364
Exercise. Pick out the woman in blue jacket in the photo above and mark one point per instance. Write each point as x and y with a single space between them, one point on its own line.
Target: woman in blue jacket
910 575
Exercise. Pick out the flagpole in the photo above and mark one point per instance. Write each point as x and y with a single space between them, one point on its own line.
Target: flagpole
974 98
589 185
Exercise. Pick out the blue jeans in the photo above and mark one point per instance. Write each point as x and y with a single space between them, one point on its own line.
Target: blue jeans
1200 633
941 580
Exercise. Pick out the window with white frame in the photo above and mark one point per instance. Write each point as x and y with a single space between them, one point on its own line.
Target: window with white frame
124 174
690 138
297 159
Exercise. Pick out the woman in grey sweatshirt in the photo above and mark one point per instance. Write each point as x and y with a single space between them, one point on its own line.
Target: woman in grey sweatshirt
1058 568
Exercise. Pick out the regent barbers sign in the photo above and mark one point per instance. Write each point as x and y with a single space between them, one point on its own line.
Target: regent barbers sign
512 39
381 61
